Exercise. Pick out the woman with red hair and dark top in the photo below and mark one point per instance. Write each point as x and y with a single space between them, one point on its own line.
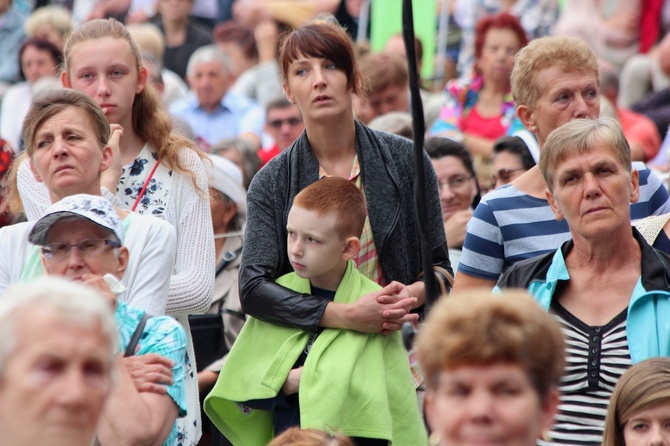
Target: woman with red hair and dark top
479 110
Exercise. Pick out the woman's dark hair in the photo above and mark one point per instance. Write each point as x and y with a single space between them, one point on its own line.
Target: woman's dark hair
42 45
438 147
515 145
323 37
499 21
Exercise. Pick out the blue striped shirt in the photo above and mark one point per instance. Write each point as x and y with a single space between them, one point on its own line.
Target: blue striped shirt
509 225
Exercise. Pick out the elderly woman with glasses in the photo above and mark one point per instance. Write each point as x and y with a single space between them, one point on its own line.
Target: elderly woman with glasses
66 136
81 239
459 189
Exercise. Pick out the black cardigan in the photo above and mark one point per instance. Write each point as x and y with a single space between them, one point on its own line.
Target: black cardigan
387 169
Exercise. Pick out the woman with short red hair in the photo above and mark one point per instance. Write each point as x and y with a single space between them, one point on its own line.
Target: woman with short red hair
481 109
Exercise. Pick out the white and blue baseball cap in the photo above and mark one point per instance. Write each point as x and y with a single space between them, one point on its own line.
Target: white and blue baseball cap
96 209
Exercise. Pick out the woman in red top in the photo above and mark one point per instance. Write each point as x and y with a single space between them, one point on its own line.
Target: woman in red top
479 110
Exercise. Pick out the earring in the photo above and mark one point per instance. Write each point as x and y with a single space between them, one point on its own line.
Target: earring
533 128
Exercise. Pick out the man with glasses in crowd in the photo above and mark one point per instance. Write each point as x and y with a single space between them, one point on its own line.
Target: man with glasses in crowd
283 122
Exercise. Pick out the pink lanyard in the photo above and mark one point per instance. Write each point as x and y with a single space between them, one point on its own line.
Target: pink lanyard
146 184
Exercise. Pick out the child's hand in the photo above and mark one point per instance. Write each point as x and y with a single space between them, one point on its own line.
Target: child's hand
292 384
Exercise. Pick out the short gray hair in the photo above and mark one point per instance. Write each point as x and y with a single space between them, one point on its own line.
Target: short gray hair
206 54
69 301
397 123
581 136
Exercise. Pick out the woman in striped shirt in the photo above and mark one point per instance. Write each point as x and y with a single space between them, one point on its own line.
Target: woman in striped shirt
607 287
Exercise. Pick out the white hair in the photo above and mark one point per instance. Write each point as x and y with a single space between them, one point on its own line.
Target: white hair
69 301
206 54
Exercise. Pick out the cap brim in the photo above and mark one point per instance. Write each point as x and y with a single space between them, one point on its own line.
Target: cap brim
40 232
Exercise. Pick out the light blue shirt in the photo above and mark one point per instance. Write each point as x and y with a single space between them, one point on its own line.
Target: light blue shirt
164 336
237 114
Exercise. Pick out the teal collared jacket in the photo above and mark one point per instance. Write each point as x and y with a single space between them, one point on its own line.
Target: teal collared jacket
648 322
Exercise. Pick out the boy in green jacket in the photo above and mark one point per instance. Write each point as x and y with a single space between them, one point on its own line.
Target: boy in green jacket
355 383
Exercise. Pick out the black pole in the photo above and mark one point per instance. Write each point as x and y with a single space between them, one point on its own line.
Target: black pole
432 289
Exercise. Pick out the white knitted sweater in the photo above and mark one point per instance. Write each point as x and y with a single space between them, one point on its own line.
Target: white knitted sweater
187 209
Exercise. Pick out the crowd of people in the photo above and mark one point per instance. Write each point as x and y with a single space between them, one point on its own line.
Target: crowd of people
208 233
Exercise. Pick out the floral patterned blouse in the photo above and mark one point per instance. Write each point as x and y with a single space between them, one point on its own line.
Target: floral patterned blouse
133 178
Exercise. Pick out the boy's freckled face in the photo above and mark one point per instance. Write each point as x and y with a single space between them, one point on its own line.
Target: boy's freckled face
314 247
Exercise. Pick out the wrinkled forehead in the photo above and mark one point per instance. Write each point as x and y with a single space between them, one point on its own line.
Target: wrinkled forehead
77 116
484 373
575 153
41 330
552 78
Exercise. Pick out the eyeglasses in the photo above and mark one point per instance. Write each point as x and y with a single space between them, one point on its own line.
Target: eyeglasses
457 182
278 123
504 175
87 247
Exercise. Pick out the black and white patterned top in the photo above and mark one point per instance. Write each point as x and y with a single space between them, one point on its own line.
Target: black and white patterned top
596 358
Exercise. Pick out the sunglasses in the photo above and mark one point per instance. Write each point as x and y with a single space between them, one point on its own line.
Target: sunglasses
278 123
504 175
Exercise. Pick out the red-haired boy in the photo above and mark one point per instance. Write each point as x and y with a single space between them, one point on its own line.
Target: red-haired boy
355 383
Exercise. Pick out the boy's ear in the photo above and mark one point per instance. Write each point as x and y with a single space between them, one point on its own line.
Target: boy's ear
351 246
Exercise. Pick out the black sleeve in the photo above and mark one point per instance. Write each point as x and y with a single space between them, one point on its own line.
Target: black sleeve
262 298
521 274
264 258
